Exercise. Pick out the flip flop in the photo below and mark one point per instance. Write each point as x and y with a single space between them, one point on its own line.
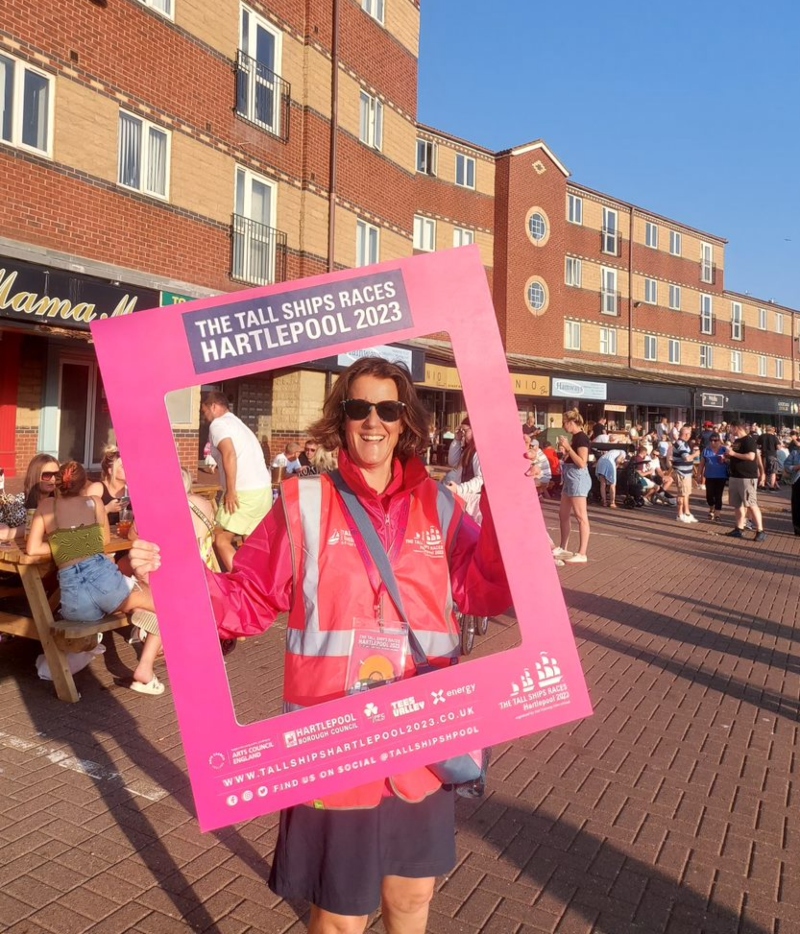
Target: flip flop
152 687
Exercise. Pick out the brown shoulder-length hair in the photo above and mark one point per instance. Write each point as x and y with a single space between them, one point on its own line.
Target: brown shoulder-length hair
71 479
329 432
110 454
35 468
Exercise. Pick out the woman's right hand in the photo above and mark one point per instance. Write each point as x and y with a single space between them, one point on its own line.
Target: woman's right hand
144 557
112 506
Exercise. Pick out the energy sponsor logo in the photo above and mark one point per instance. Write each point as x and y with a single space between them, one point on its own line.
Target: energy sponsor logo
531 694
318 731
406 706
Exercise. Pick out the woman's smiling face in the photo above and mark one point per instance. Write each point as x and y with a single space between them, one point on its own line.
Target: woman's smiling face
371 442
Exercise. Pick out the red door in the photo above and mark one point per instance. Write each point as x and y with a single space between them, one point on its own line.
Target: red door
10 345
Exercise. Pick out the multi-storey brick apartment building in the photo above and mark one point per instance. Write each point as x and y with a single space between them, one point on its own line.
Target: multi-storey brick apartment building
152 151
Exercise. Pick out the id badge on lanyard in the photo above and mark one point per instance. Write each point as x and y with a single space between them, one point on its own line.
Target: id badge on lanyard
377 654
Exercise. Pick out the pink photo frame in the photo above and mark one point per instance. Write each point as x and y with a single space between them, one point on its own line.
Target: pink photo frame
242 771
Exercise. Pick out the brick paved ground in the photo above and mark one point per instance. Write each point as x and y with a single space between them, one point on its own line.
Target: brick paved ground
673 809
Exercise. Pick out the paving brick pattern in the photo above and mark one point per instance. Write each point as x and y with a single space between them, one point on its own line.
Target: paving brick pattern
673 809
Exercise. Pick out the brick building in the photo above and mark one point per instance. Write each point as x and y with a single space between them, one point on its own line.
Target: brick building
154 151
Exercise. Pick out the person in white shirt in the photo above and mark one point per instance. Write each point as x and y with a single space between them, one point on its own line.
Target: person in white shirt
289 459
245 480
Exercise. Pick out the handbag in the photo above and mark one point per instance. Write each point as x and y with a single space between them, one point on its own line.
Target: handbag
465 772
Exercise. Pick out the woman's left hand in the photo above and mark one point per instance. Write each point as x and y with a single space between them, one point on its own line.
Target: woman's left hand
145 557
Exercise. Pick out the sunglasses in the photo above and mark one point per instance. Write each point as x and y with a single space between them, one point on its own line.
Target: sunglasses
48 474
358 409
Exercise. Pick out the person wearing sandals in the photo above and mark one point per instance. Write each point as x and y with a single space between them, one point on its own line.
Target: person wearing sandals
74 528
577 484
383 843
714 474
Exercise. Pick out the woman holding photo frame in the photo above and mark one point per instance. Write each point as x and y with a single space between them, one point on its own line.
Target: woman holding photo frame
381 844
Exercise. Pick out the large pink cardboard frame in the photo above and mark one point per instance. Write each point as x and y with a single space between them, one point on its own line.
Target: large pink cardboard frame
241 771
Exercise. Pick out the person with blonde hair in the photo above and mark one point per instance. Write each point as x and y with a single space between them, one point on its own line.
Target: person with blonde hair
112 487
576 486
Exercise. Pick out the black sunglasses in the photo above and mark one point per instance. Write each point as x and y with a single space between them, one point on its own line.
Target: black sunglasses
359 409
48 474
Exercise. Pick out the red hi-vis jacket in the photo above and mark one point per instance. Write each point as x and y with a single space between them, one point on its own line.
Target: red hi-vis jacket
303 558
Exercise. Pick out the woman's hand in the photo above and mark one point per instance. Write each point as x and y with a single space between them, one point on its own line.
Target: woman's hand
113 506
145 557
453 487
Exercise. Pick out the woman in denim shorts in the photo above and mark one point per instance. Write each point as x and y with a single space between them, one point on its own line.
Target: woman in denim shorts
577 485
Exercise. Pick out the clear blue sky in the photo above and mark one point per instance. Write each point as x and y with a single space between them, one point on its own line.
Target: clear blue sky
689 108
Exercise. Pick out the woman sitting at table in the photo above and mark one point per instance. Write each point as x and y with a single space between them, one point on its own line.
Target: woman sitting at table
40 480
112 486
73 528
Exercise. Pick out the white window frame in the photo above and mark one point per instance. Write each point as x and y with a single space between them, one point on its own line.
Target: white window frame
651 291
575 209
762 365
256 251
374 8
463 236
15 131
706 314
778 323
164 7
427 152
674 351
572 335
675 297
650 347
466 170
736 361
424 233
610 233
706 262
370 121
651 235
707 356
608 290
368 244
573 272
260 75
737 321
675 242
608 341
779 368
144 155
762 319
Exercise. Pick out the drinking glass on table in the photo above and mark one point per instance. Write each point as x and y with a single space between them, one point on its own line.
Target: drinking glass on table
125 522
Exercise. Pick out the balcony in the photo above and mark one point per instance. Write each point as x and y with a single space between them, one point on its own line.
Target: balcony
259 252
708 273
609 302
610 242
262 97
708 324
737 330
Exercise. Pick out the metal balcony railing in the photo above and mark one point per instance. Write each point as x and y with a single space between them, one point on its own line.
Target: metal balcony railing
708 324
262 97
258 253
610 242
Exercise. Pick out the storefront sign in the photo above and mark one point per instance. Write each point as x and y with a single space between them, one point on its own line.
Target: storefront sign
441 377
522 384
402 355
577 389
173 298
242 770
54 297
712 400
786 407
528 384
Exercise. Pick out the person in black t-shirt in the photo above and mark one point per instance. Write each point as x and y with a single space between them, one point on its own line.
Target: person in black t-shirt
745 467
768 446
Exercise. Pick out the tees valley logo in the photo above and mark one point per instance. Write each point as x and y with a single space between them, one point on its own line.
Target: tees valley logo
428 543
402 708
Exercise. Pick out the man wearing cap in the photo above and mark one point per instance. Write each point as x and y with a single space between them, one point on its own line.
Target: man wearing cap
705 434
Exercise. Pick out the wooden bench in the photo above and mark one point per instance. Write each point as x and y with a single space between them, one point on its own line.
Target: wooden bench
80 636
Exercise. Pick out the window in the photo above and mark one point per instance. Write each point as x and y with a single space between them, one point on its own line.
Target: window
778 323
574 209
651 291
608 341
255 241
736 361
651 235
706 314
537 227
650 347
706 356
675 243
162 6
572 337
26 101
762 365
374 8
572 275
762 319
424 233
609 238
426 157
675 297
779 369
674 351
737 322
536 296
463 237
143 156
370 130
706 262
367 244
465 171
262 96
609 298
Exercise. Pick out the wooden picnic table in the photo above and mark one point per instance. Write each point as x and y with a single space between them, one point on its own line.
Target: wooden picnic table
58 637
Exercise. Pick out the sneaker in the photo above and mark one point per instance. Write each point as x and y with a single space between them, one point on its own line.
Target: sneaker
735 533
559 563
691 518
711 515
761 536
749 526
561 553
701 487
646 501
682 518
576 559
